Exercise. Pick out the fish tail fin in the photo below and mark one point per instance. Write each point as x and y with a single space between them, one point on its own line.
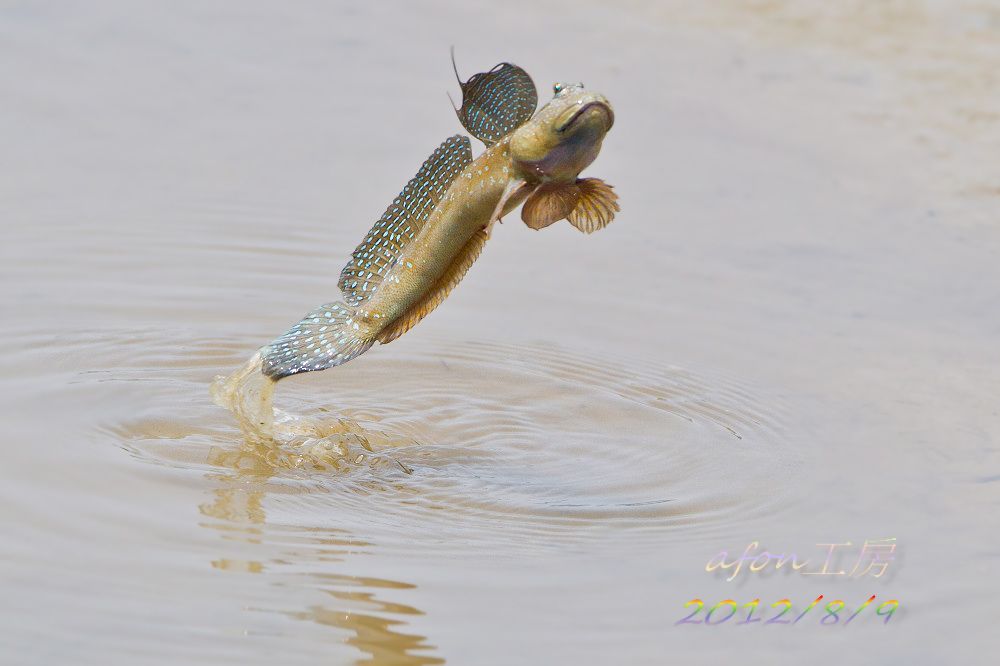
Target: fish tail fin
330 335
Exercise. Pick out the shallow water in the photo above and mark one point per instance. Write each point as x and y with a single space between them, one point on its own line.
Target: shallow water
789 335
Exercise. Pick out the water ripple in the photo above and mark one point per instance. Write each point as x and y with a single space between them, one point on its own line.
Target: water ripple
482 441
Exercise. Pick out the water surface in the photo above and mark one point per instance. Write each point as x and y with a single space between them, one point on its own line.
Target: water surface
789 335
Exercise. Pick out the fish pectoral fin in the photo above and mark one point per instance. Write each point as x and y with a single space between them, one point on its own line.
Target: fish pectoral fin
509 199
550 203
436 295
596 206
497 102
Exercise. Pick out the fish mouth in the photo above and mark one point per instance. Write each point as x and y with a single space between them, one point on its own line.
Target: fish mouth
604 107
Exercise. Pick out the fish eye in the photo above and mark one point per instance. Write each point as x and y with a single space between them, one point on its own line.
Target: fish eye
560 88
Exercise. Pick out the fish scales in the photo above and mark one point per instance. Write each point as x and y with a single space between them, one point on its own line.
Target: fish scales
435 229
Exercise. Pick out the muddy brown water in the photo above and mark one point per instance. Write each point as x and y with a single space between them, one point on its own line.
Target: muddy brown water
789 335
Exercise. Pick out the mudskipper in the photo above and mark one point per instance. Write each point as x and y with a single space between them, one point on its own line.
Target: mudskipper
430 235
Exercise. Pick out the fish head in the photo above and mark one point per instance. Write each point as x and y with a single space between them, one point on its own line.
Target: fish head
564 137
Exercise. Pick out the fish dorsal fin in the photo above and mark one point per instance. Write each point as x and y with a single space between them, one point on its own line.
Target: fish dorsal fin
596 206
436 295
549 203
384 244
497 102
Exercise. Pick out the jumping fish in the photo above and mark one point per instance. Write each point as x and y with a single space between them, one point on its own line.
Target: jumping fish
430 235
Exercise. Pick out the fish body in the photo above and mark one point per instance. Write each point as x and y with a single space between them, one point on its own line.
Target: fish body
466 209
436 228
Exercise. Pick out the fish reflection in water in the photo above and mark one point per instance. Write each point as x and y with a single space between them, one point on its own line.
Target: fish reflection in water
357 605
375 635
540 458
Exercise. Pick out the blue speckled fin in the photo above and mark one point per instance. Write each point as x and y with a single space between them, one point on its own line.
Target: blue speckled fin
497 102
326 337
384 244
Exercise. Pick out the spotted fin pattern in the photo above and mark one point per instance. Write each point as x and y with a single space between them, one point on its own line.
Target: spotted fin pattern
596 207
384 244
436 295
497 102
328 336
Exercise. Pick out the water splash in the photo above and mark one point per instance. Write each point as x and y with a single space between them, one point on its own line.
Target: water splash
249 394
285 441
